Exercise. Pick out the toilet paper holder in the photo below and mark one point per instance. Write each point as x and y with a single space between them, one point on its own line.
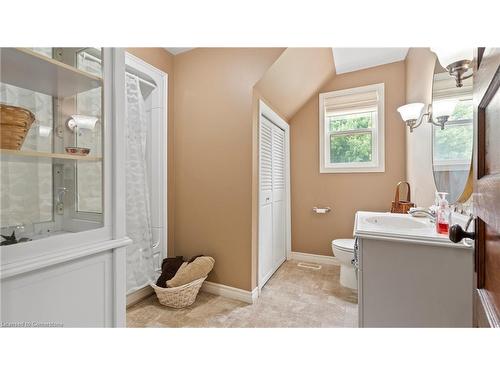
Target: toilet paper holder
321 210
81 122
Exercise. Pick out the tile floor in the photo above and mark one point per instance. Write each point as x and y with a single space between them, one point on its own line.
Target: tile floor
293 297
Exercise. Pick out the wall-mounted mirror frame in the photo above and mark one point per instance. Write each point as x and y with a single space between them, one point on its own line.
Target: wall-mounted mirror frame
452 146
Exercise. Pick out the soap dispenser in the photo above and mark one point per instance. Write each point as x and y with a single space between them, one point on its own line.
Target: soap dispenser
442 214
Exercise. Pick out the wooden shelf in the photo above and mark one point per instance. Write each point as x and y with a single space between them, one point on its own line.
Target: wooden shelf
24 68
36 154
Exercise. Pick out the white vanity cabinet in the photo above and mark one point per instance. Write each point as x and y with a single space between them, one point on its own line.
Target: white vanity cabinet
72 271
410 277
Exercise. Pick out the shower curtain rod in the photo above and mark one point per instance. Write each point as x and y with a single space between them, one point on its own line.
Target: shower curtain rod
141 79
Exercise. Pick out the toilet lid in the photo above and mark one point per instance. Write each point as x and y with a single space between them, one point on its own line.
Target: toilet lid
346 244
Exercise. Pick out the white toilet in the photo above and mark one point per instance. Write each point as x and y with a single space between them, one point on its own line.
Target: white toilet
343 250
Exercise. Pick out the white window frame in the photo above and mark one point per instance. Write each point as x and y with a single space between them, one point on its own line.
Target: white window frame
377 164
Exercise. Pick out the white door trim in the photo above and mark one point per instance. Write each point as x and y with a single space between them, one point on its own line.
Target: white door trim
265 110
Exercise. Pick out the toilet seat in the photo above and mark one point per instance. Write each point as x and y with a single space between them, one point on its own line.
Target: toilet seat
345 244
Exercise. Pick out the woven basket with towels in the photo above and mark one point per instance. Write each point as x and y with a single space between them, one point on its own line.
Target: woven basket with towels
181 290
180 296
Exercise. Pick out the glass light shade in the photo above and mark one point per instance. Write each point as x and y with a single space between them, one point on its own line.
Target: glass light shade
411 111
447 55
443 107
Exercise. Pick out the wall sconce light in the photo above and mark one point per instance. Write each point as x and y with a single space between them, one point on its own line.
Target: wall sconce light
413 117
456 61
411 114
442 110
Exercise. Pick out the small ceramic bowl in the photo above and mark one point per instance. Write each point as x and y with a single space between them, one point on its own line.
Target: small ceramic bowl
80 151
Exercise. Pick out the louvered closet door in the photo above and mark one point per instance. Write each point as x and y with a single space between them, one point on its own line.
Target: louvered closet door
279 208
266 203
272 230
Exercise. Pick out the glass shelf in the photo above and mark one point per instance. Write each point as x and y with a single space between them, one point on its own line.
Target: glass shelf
52 77
44 189
36 154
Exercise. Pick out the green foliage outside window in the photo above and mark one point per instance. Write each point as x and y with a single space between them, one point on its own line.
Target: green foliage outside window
454 142
351 122
351 148
463 110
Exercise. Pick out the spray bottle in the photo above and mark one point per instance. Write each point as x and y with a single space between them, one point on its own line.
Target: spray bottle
442 214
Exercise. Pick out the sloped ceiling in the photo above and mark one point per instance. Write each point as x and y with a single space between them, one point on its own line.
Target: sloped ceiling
352 59
177 50
294 77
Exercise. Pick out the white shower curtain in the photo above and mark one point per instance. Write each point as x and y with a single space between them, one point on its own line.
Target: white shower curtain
140 269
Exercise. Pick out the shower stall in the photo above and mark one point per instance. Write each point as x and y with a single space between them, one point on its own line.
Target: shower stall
81 233
146 174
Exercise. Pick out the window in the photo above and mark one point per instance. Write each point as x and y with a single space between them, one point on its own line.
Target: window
351 128
452 149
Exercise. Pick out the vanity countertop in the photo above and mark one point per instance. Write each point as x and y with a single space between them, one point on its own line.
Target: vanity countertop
404 228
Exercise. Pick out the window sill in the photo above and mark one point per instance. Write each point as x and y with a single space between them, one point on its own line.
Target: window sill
367 169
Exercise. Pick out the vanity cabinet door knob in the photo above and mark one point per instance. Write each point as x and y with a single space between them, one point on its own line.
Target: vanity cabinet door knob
457 234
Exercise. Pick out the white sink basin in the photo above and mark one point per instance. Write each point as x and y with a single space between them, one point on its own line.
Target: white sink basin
397 222
400 227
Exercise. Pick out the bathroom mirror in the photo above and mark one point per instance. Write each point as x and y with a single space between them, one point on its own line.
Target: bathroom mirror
452 145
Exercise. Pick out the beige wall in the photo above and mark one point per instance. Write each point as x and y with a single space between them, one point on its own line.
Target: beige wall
294 77
345 193
216 210
163 60
419 74
213 117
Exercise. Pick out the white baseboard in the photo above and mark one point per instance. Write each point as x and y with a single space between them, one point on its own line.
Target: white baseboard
139 295
313 258
230 292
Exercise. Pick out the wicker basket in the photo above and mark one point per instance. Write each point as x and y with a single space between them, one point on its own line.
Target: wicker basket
179 296
14 125
400 206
